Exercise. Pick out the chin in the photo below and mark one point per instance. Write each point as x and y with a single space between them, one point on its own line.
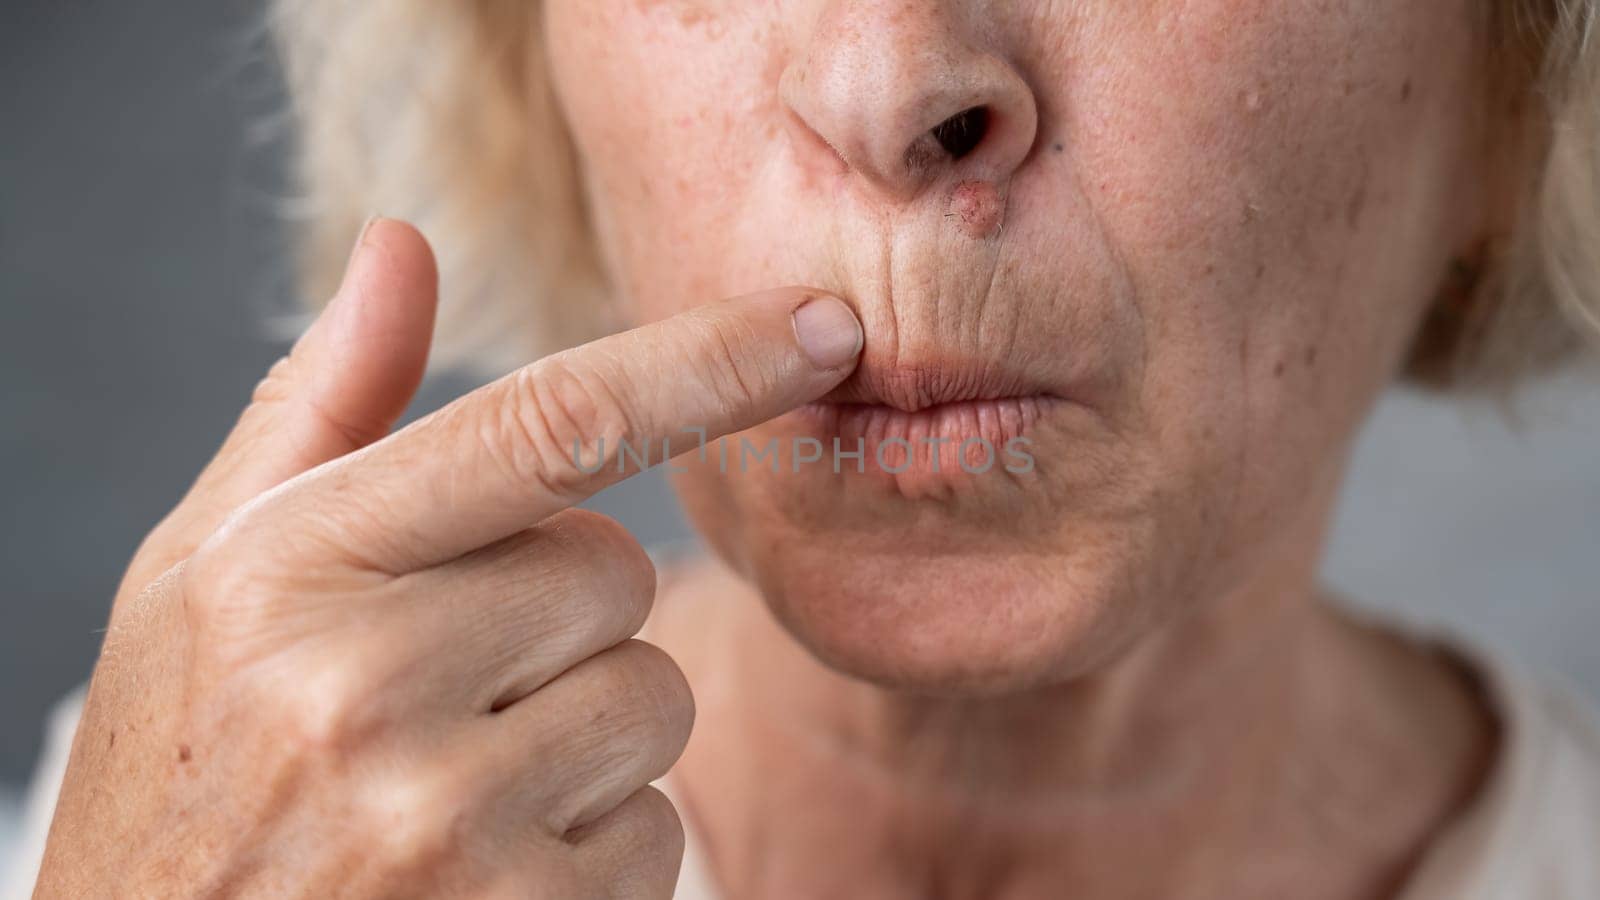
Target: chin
955 579
938 624
973 596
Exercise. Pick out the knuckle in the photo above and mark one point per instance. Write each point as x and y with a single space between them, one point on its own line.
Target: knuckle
277 385
649 830
649 694
590 531
420 817
733 362
329 709
615 555
660 822
561 422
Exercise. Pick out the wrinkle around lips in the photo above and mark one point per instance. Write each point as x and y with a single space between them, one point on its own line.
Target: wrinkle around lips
948 317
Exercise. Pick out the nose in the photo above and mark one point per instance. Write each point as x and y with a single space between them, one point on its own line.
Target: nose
902 94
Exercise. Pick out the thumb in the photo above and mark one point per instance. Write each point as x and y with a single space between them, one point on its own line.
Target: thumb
341 387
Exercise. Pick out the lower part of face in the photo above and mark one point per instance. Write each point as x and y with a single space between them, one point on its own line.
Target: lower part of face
1211 259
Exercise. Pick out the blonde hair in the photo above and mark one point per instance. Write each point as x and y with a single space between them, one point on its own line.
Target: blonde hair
441 113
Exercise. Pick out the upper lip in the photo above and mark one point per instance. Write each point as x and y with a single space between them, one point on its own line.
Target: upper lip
913 388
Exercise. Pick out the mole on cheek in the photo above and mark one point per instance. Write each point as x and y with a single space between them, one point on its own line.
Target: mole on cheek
978 208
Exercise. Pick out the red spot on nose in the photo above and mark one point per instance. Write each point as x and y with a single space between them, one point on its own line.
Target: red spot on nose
978 208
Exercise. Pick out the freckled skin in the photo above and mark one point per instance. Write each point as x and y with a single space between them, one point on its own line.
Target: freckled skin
1217 193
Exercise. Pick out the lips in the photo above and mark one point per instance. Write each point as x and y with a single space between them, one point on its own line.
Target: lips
971 433
936 419
914 389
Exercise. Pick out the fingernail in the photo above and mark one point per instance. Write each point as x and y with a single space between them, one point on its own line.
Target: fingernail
361 238
828 332
351 262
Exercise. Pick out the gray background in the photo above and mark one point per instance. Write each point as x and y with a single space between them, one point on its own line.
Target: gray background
140 256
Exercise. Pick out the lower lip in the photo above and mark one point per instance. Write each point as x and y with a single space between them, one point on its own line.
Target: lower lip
968 431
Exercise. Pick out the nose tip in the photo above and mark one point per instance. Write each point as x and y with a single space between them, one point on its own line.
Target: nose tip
898 96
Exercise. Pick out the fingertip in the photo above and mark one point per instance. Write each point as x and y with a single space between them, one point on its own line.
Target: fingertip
828 331
390 259
373 344
407 257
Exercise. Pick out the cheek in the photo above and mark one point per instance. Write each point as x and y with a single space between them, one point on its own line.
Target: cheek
1277 180
670 147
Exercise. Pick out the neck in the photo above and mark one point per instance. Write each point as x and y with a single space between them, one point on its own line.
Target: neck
1203 741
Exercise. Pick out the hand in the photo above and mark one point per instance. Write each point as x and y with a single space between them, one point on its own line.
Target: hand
351 664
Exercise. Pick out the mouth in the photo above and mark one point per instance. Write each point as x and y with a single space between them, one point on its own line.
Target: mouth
937 419
971 432
926 388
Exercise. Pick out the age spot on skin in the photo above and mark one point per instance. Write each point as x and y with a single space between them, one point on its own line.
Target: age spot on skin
978 208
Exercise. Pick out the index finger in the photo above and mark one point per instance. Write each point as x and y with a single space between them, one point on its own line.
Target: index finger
549 435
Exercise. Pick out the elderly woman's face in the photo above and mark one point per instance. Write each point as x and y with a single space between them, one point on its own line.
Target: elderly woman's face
1178 253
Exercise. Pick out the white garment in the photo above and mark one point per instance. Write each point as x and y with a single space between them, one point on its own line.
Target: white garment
1534 830
1533 833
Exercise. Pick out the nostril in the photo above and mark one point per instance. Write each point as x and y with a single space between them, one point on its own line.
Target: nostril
963 132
